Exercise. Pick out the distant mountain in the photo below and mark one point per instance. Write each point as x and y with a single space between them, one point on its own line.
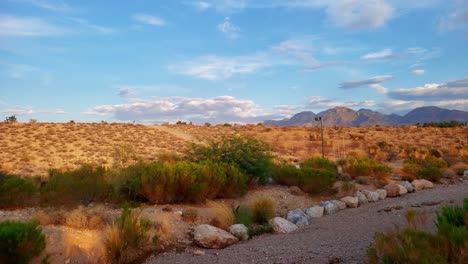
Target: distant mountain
342 116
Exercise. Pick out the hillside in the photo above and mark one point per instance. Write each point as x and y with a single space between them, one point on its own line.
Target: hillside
342 116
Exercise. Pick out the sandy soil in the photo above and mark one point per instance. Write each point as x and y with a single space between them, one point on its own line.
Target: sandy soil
343 237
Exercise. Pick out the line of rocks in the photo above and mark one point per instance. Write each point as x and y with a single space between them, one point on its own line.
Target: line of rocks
212 237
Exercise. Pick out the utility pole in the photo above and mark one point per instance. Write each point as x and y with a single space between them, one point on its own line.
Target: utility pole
321 130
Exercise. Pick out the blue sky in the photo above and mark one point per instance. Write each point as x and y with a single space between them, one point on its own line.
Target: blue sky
228 61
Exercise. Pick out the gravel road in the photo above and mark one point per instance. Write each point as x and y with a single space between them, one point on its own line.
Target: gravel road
339 238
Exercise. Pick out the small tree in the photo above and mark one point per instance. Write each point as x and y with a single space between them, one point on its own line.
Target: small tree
11 119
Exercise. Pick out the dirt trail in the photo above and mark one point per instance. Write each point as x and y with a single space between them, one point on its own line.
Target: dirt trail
344 236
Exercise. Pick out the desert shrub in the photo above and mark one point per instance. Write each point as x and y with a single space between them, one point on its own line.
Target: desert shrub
84 218
124 155
126 183
263 208
243 215
356 165
80 186
190 215
129 232
170 158
411 245
428 167
19 241
223 216
252 156
314 175
16 191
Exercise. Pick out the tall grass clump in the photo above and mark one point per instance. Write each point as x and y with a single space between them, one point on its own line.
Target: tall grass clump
19 242
128 234
314 176
412 245
16 191
81 186
223 216
252 156
262 209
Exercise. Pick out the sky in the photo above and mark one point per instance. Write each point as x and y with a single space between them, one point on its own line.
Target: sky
219 61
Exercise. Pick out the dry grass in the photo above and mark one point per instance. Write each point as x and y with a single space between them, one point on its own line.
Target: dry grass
59 145
223 216
263 208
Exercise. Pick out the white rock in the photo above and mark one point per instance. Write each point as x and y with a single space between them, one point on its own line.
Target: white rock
427 184
403 190
351 202
341 205
329 207
361 198
409 187
282 226
371 196
382 193
212 237
240 231
422 184
314 211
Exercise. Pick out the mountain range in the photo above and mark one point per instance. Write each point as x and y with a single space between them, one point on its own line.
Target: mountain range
342 116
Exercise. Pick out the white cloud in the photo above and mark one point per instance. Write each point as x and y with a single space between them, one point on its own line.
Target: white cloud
403 105
216 67
452 90
418 72
229 29
378 87
287 110
55 6
85 23
203 5
28 27
199 110
298 51
150 20
28 110
360 14
457 18
379 55
320 102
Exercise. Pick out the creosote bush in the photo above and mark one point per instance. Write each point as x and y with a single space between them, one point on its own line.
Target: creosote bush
358 165
252 156
16 191
411 245
19 241
428 167
314 176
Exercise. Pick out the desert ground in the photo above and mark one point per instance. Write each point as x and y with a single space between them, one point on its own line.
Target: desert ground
32 149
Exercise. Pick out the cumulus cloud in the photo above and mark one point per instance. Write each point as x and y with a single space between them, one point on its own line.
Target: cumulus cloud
379 55
149 19
320 102
418 72
452 90
457 18
216 67
373 83
287 110
360 14
403 105
229 29
199 110
28 27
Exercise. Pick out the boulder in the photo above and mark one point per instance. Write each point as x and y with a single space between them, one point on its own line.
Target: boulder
392 190
422 184
329 207
371 196
298 217
382 193
403 190
282 226
409 187
341 205
240 231
351 202
314 211
212 237
361 198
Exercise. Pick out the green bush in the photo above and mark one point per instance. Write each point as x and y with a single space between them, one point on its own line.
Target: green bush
16 191
356 165
19 241
314 176
252 156
243 215
429 167
81 186
410 245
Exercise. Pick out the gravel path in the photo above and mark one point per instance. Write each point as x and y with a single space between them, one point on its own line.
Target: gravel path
343 237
